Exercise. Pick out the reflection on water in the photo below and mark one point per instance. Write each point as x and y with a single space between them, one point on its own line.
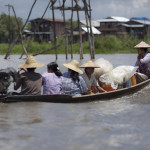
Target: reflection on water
118 124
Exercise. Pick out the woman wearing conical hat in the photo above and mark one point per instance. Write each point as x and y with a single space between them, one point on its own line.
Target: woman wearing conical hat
143 59
29 81
89 78
73 84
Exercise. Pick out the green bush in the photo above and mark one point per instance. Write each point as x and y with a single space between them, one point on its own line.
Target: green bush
103 45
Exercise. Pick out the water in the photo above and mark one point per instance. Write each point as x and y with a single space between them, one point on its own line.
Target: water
118 124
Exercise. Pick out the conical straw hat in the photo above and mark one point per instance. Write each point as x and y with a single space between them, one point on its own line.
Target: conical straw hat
31 63
74 65
142 45
89 64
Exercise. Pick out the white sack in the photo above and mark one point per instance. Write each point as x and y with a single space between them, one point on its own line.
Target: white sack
118 75
122 73
105 67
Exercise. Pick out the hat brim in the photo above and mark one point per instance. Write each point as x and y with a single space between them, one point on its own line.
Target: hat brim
73 68
136 47
33 65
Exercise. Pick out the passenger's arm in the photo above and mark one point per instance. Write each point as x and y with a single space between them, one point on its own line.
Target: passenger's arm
146 59
17 83
100 89
83 86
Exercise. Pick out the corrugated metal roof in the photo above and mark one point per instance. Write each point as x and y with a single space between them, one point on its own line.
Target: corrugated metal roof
51 19
48 19
30 32
106 20
114 19
141 20
132 26
94 30
120 19
93 23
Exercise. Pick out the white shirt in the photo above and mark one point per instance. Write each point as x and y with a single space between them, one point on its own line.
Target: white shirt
89 82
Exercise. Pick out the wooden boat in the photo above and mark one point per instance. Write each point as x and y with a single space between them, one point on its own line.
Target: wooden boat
69 99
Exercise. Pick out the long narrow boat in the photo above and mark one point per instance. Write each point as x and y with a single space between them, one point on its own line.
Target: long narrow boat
69 99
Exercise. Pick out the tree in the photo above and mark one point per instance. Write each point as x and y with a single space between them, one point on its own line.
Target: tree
68 24
9 28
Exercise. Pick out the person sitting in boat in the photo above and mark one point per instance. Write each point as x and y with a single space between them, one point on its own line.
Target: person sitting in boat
143 59
29 81
89 78
73 84
52 79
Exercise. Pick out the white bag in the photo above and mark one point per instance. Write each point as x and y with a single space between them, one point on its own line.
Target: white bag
105 67
118 76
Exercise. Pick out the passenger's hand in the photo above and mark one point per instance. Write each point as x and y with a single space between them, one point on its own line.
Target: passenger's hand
139 57
24 69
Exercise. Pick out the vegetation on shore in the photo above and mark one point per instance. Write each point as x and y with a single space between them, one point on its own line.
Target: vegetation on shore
103 45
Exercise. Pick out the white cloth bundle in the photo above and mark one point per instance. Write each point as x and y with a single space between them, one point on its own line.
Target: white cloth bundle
118 76
105 67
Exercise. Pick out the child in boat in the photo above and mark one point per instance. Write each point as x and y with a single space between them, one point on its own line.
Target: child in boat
29 81
143 59
89 78
52 79
73 84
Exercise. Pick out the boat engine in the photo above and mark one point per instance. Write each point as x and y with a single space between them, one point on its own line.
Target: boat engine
7 76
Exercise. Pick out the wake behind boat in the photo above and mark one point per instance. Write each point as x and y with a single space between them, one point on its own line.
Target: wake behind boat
69 99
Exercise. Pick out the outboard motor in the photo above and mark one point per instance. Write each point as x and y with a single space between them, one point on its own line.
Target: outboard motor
7 76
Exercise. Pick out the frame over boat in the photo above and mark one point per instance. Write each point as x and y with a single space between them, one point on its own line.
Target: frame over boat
69 99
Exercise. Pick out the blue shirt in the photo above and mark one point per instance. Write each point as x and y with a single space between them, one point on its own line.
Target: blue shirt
71 87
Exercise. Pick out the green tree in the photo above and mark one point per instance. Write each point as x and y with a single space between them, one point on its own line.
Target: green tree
9 28
68 24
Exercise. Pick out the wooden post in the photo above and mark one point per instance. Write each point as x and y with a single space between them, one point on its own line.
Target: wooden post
16 39
87 25
72 32
91 33
20 32
53 14
80 34
66 36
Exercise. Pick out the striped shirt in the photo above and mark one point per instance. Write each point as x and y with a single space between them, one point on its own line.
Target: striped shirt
71 87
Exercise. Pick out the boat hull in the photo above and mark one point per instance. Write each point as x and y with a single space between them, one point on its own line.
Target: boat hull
69 99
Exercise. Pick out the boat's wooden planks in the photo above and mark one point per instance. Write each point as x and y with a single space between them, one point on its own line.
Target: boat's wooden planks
70 99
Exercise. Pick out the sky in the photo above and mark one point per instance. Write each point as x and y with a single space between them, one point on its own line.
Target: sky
100 8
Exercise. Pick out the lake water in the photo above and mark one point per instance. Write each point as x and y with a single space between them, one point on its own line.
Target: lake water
118 124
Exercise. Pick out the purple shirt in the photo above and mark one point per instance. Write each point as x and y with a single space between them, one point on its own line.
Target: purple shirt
52 84
145 60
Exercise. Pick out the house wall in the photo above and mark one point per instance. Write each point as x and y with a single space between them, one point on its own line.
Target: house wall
113 28
46 26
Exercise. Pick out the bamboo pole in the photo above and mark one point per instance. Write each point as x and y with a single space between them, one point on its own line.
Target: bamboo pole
53 14
20 32
66 37
16 39
72 32
87 25
30 38
80 34
42 52
91 33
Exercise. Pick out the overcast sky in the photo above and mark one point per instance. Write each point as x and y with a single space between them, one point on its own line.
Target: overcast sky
100 8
